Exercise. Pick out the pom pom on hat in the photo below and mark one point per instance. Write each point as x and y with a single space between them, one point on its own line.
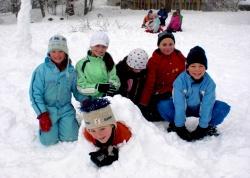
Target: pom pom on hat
99 38
137 59
97 113
58 42
163 35
197 55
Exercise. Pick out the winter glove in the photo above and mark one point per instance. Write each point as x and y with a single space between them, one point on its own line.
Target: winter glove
199 133
107 88
44 122
103 87
112 90
183 133
104 157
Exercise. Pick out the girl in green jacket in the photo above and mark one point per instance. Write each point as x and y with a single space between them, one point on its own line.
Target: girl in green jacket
96 73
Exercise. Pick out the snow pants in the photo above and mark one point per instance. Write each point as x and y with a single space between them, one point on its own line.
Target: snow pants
64 126
167 111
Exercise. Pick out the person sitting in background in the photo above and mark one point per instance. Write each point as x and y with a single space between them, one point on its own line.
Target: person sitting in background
154 25
194 95
102 130
147 18
174 24
132 73
181 18
163 15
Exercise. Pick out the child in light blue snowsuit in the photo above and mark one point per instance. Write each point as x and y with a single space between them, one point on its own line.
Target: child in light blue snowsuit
194 95
51 88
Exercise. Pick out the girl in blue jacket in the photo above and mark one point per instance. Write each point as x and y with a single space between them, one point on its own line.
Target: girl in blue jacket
52 85
194 95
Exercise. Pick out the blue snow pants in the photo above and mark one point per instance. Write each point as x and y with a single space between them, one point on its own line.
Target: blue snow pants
64 126
167 111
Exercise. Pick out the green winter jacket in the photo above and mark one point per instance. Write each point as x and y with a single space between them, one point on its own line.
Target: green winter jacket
92 71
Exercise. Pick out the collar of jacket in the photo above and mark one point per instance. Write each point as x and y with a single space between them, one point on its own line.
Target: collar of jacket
51 64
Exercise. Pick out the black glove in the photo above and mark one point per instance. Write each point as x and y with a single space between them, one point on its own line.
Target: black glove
103 87
199 133
104 157
112 90
107 88
183 133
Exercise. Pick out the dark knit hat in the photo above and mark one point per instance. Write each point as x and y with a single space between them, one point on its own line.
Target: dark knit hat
164 35
197 55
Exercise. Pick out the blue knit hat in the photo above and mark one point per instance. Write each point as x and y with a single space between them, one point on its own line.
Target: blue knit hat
58 42
197 55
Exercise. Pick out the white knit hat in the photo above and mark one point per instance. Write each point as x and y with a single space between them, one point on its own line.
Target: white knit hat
58 42
99 38
137 59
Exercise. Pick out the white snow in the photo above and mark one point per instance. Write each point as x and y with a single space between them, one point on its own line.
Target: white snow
151 152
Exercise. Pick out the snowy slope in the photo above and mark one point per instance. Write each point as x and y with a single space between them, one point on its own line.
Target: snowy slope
152 152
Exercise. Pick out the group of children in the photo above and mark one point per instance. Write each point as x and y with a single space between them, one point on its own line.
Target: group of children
155 22
166 85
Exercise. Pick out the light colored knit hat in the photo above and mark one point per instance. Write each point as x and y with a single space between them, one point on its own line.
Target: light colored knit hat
137 59
58 42
97 113
99 38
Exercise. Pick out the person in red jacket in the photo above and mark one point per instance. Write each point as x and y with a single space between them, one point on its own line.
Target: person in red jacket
163 68
102 130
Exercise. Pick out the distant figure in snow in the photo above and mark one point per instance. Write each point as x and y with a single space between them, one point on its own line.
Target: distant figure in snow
147 18
194 95
52 85
96 73
132 73
102 130
153 26
163 68
175 23
163 15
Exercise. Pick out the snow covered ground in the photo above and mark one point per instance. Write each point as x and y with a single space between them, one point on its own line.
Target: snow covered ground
152 152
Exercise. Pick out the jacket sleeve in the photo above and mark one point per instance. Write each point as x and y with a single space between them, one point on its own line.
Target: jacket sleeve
83 86
207 105
36 91
149 83
114 79
78 96
179 102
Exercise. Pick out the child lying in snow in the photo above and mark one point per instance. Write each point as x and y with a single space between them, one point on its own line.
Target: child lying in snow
103 131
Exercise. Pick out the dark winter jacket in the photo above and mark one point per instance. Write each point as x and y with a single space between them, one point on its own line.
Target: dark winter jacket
162 70
125 73
162 13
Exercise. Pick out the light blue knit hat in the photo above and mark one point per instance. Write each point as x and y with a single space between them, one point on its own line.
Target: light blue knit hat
58 42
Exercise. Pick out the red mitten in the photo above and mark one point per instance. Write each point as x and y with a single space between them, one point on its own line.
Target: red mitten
44 122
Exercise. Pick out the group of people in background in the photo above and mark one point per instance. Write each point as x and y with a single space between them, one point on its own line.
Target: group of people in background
156 22
167 86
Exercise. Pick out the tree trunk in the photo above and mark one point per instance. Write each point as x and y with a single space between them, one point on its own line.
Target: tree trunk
41 3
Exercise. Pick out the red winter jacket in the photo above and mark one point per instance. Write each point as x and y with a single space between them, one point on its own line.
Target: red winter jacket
122 133
162 70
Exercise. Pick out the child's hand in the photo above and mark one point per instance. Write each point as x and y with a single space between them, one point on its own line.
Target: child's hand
44 122
104 157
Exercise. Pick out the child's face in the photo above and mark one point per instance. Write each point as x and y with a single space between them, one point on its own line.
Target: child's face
196 70
98 50
167 46
102 134
57 56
